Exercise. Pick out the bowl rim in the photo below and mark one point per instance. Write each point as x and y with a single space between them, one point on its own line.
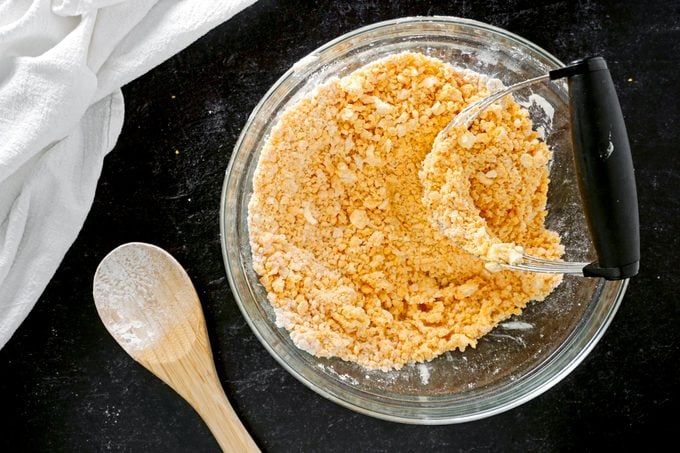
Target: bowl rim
617 288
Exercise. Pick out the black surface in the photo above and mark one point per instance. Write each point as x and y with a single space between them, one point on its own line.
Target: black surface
65 385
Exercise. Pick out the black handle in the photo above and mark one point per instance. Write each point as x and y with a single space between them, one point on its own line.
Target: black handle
604 168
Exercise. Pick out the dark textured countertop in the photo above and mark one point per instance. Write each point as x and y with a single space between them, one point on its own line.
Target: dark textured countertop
65 385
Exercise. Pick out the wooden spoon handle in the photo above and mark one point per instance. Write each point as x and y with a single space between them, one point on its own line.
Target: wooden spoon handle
217 413
194 377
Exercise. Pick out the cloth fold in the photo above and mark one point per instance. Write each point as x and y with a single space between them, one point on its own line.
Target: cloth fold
62 63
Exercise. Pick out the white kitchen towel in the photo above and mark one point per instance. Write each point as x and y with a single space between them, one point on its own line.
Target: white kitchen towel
62 63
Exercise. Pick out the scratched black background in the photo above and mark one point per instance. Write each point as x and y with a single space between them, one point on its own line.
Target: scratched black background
65 385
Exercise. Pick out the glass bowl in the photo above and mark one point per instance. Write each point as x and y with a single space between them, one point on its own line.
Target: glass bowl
519 359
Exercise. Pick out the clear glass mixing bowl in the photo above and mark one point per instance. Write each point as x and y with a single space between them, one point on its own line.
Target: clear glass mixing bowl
519 359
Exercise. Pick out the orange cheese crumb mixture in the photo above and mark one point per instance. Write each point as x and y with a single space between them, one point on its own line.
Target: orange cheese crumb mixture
347 246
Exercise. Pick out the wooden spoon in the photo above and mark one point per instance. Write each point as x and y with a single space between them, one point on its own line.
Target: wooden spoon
147 302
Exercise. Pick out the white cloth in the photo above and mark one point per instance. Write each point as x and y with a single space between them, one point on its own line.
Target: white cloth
62 63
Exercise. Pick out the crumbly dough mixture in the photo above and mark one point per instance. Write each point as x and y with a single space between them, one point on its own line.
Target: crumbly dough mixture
344 234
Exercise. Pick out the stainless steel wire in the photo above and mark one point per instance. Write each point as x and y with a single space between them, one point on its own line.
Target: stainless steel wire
465 119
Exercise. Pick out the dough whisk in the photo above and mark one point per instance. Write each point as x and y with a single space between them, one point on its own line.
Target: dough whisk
604 170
